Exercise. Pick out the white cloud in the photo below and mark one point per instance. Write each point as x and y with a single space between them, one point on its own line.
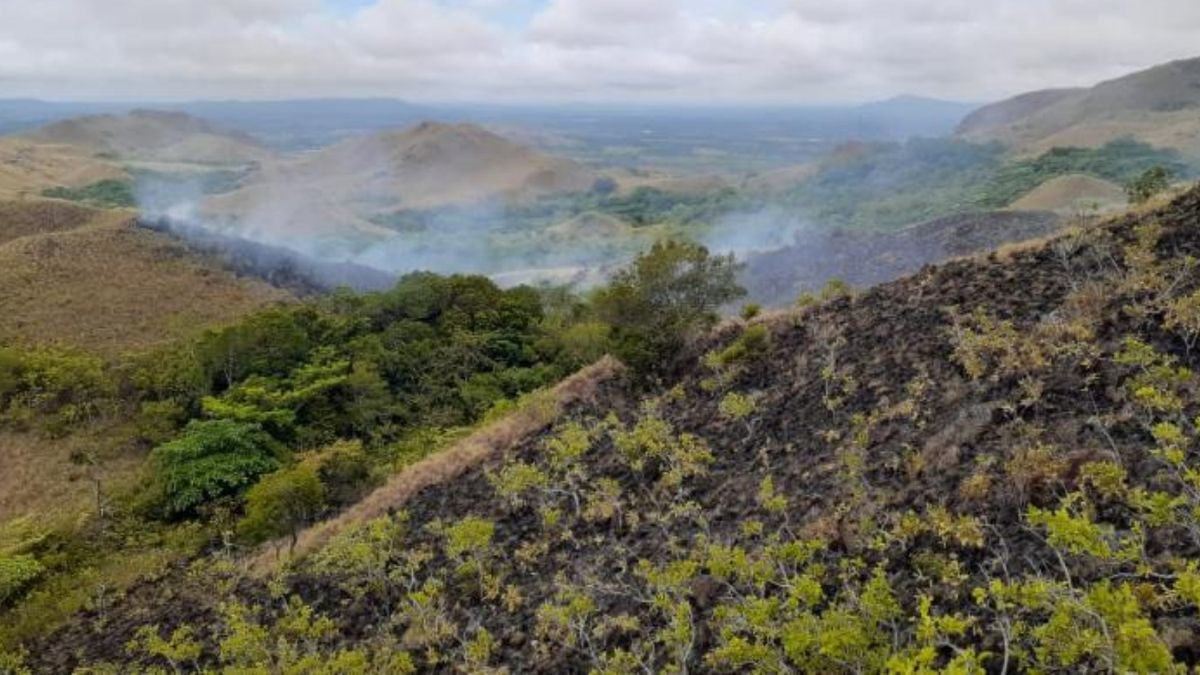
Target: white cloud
685 50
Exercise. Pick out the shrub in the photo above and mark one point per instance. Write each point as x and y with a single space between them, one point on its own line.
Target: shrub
16 573
751 344
1150 182
666 296
212 459
282 503
62 386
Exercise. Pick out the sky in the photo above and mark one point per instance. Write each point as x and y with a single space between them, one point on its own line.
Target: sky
586 51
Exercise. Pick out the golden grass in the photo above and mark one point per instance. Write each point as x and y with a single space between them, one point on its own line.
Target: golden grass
535 414
39 479
108 287
27 168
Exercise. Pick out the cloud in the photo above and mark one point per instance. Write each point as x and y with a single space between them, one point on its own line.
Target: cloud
612 50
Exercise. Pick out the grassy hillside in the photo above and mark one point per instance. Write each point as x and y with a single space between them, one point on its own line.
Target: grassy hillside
152 136
1155 106
90 279
988 466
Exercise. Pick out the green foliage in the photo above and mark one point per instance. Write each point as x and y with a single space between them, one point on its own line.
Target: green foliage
178 650
891 185
108 193
1147 184
56 388
1119 161
212 459
283 502
666 296
735 406
17 572
752 344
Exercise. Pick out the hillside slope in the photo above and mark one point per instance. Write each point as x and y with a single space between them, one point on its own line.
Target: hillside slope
332 198
152 136
986 465
91 279
864 259
1157 106
1073 193
28 168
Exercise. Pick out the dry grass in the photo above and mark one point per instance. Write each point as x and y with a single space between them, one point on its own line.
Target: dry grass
27 168
108 287
1071 194
40 480
488 442
24 218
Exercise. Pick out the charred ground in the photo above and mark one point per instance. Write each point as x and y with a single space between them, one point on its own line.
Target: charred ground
985 465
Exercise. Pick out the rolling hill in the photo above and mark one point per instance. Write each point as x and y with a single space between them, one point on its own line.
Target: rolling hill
91 279
152 136
1157 106
334 197
1072 194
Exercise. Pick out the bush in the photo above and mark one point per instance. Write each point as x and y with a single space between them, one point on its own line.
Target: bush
282 503
109 192
212 459
61 386
16 573
665 297
1149 183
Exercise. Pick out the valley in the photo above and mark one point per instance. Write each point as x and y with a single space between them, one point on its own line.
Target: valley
357 386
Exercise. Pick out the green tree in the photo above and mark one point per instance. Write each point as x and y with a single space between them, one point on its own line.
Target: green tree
212 459
1152 181
282 503
666 296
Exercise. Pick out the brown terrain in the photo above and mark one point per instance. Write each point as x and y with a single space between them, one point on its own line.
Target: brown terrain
1157 106
152 136
91 279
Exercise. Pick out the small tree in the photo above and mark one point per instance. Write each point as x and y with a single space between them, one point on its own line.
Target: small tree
282 503
1151 182
666 296
212 459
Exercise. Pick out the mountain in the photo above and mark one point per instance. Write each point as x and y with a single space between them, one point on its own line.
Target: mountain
435 164
337 195
983 466
153 136
1157 106
906 115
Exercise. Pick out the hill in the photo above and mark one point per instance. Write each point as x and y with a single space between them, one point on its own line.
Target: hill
1072 194
91 279
152 136
865 258
336 196
27 168
983 466
1157 106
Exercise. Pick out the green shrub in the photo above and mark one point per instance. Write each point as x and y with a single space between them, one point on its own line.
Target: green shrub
110 192
666 296
16 573
282 503
212 459
1150 182
57 387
